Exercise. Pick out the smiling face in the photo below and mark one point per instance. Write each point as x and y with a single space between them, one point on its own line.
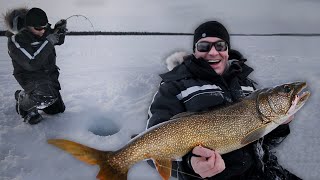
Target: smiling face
217 59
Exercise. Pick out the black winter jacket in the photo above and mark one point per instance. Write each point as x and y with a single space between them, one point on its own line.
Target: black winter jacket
194 86
33 59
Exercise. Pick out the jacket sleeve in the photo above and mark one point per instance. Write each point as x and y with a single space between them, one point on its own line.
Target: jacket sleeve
165 104
28 58
275 137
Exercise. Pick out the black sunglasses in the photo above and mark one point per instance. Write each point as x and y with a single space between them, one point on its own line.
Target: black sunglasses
204 46
40 28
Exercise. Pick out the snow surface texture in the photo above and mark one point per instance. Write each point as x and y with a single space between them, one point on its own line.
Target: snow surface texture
107 85
108 81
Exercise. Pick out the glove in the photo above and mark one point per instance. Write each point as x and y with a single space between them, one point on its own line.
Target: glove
53 38
61 26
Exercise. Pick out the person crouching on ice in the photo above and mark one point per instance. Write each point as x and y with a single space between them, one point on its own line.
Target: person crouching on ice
31 44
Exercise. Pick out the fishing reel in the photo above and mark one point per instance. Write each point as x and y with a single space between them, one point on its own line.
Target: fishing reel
62 30
61 27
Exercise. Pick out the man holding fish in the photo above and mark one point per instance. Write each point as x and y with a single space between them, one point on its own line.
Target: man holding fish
214 76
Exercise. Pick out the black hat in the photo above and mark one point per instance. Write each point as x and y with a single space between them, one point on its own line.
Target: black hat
36 17
211 29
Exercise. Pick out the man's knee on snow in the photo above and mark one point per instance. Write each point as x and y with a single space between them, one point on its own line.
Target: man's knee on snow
44 96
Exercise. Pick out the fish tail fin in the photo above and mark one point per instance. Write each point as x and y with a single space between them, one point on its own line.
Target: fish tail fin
92 157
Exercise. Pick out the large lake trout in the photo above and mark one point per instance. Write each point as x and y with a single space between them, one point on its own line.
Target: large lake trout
224 130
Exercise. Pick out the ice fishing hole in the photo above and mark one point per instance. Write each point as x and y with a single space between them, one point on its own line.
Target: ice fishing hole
104 127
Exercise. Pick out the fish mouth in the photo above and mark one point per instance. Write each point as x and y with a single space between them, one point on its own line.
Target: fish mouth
301 95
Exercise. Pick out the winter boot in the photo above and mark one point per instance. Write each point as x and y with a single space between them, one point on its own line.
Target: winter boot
19 110
33 117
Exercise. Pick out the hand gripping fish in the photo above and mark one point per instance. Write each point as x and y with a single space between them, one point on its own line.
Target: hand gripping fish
224 130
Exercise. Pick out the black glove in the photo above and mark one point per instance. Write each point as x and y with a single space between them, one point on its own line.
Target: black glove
53 38
61 26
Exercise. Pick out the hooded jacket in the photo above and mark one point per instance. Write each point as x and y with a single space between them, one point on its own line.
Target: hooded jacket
33 60
193 86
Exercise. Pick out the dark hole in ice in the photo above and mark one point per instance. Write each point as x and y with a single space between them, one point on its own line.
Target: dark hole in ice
103 127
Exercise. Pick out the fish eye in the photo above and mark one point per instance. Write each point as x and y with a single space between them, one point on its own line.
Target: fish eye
287 88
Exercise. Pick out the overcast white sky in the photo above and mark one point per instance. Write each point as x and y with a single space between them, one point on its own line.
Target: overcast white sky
245 16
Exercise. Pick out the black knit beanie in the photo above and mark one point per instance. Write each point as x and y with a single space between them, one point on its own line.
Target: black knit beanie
36 17
211 29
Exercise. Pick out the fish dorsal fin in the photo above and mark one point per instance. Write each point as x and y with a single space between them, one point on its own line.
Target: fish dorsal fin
255 134
183 114
164 167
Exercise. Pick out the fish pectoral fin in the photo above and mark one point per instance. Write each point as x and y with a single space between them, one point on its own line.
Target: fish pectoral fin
164 167
255 135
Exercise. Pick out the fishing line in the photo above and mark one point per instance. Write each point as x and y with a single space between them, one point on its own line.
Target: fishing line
80 15
181 172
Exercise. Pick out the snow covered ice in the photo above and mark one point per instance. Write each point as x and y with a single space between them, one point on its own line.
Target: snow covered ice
108 83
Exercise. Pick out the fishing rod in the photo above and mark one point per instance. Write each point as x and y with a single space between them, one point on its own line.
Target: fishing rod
86 18
79 15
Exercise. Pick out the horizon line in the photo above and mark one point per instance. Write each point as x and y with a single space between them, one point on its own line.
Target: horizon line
141 33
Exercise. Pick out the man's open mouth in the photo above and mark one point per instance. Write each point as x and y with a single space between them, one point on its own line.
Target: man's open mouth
214 61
